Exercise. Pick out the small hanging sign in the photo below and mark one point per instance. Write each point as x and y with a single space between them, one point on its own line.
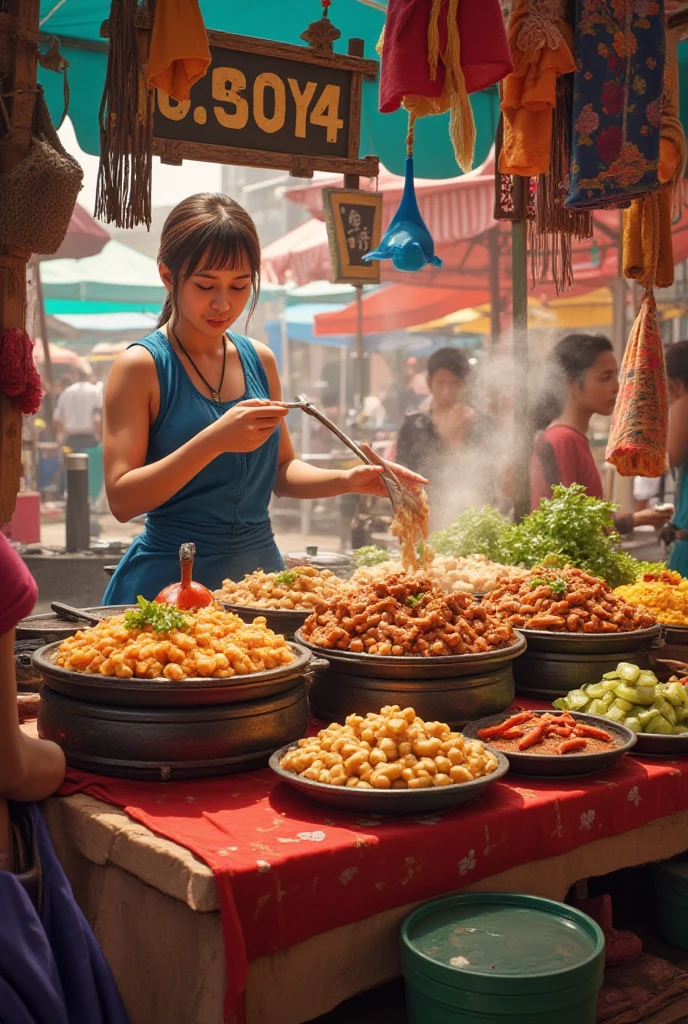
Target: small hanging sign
354 227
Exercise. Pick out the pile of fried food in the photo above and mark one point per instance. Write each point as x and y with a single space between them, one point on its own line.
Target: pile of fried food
167 644
475 574
303 589
564 600
406 615
392 750
547 734
664 595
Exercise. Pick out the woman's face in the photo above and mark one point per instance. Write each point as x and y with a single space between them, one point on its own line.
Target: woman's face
599 386
210 301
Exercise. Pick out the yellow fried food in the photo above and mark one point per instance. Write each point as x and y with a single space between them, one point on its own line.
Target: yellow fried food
302 589
665 596
392 750
217 644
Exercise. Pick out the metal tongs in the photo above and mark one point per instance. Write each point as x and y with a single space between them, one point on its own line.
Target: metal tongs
400 495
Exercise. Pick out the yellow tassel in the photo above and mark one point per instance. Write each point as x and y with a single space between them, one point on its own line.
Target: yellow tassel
434 38
461 123
380 42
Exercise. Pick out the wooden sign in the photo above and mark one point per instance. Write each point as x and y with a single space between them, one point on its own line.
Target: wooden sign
354 223
269 104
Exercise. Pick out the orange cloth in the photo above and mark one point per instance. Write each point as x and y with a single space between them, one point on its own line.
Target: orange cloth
529 93
641 234
179 52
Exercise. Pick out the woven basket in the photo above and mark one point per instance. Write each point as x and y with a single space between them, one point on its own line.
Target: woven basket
37 197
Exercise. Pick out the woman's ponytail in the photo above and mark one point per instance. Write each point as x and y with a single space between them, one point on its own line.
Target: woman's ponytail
166 314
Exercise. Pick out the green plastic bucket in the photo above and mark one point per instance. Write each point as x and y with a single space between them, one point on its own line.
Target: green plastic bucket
501 958
671 900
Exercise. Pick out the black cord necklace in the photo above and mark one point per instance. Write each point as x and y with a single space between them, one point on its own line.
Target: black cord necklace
211 389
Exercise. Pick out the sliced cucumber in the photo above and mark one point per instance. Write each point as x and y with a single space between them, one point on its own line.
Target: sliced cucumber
635 696
611 675
646 679
596 691
615 714
623 705
679 729
597 707
646 715
659 725
666 709
629 673
634 724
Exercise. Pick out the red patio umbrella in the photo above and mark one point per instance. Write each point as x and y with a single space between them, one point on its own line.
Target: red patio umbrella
85 237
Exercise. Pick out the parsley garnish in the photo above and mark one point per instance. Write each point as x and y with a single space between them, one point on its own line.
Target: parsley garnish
160 617
557 586
414 599
285 578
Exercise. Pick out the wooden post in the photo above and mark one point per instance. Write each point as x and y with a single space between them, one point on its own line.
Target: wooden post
519 284
20 91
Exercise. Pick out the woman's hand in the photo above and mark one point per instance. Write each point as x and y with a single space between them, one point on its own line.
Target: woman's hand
247 425
368 479
653 517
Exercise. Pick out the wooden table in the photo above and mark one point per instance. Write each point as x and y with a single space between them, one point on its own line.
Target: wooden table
154 908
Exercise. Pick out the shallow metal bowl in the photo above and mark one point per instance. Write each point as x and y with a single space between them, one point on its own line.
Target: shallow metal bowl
379 666
388 801
162 693
591 643
656 745
51 626
558 765
280 620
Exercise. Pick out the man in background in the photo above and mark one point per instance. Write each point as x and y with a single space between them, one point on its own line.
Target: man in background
79 412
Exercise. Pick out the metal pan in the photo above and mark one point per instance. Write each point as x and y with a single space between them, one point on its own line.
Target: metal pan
280 620
593 643
388 801
377 666
161 693
656 745
560 765
50 626
676 635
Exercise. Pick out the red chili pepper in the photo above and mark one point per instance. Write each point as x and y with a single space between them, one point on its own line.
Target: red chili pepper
532 737
568 746
512 734
557 730
649 577
499 730
590 730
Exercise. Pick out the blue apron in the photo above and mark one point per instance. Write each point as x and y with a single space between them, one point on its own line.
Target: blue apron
223 509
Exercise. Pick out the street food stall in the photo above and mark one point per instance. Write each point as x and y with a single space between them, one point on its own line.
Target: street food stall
265 802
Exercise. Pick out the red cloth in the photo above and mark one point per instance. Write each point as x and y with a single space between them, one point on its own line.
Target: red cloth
485 56
18 374
575 464
287 869
18 592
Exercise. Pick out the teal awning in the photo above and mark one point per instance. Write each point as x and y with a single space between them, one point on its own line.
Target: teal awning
381 134
118 274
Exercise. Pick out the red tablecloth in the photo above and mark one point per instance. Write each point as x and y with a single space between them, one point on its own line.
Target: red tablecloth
287 869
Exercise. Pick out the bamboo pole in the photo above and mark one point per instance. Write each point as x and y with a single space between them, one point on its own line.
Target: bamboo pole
519 284
19 91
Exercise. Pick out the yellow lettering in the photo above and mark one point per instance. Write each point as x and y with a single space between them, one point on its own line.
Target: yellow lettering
174 111
227 85
268 80
303 102
326 112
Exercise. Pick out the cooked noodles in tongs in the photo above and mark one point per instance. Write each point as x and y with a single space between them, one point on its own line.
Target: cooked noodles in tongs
410 523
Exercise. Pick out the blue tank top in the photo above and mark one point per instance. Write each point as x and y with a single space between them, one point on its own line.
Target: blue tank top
223 509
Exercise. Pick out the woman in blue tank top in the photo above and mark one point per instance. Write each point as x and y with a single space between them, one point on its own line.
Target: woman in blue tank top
677 374
193 427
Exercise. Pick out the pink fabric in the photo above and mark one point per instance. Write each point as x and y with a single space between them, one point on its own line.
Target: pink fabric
18 590
485 55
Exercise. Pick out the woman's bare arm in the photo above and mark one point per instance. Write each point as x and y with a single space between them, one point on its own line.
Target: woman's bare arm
130 406
677 446
30 769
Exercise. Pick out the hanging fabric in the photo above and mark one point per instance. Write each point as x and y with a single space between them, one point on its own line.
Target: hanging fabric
617 102
540 41
19 377
434 53
179 53
123 191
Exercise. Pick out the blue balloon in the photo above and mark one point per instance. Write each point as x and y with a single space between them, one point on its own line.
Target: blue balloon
407 241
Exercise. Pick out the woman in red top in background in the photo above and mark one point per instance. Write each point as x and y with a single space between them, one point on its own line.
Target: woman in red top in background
584 382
